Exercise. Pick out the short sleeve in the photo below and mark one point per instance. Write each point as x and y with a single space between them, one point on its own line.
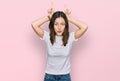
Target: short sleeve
72 34
45 35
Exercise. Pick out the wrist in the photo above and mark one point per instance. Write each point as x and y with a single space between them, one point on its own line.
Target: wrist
48 17
69 18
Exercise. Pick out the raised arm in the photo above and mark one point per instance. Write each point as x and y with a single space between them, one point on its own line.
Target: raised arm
82 27
36 25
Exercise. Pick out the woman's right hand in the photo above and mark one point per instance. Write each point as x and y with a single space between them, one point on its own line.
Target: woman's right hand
50 12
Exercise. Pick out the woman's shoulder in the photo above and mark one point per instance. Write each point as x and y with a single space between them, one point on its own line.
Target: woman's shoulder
45 35
45 31
72 36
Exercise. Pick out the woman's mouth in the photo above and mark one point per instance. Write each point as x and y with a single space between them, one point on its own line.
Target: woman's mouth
59 31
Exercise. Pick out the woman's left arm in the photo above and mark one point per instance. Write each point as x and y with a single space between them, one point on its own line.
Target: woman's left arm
82 27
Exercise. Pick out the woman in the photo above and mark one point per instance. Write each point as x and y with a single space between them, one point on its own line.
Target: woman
58 42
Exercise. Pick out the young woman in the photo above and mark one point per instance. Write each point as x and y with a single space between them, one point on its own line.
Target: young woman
58 42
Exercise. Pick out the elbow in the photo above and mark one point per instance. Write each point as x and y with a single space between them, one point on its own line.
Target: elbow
86 27
33 25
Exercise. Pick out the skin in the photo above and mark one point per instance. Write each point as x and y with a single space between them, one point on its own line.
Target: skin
59 25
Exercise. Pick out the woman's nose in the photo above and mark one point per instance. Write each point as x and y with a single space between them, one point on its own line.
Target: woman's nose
59 26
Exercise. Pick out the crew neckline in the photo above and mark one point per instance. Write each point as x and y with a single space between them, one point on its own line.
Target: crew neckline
58 36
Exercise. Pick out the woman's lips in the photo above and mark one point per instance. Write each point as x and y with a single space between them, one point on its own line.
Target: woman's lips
59 31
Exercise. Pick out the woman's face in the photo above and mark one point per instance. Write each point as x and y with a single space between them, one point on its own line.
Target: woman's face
59 26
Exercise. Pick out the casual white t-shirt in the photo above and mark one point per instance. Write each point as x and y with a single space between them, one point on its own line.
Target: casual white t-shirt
58 55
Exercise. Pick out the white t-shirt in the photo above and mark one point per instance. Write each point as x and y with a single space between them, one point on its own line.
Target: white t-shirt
58 55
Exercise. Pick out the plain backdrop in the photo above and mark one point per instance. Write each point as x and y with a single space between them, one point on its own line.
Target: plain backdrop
94 57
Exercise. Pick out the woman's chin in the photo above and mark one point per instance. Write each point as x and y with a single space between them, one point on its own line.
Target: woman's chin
59 34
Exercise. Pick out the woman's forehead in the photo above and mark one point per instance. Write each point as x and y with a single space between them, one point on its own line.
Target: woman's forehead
59 19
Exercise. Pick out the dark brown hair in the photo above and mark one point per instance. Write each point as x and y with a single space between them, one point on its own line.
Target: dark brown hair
51 27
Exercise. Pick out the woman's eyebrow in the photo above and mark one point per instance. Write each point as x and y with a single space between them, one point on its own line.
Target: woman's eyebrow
56 22
63 22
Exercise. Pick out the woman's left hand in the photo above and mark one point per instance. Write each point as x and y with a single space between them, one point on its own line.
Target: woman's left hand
68 13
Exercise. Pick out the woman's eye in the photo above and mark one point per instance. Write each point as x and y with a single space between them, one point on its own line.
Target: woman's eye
55 24
63 24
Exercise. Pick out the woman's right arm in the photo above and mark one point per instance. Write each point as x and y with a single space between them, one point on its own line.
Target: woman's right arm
36 25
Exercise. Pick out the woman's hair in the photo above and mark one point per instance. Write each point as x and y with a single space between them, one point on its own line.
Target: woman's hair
51 27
